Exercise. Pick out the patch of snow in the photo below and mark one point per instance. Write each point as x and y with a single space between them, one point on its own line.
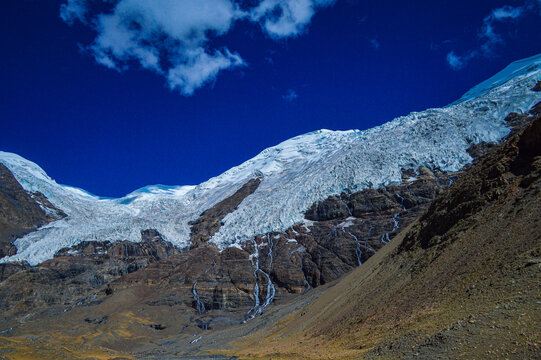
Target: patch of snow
345 224
237 246
299 249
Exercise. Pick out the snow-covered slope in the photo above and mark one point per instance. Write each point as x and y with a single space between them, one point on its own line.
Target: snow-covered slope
515 69
296 173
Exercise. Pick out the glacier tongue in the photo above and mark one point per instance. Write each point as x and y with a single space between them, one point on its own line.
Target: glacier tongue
296 173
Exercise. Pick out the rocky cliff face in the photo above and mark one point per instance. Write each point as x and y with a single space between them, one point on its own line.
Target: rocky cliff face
20 212
77 275
233 285
485 184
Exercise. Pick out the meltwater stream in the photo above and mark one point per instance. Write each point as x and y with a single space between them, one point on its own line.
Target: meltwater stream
199 305
396 225
258 308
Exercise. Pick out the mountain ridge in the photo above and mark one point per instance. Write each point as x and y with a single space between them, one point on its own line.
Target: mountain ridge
296 173
148 297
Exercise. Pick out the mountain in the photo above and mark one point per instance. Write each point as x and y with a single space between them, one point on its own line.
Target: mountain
296 173
176 271
461 282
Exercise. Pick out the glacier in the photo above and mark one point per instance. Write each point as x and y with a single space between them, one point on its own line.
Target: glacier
295 173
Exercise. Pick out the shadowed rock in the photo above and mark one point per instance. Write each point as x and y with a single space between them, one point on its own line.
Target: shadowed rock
480 187
331 208
210 220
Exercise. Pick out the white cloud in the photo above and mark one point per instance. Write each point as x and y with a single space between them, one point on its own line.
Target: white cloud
497 15
457 62
200 68
290 95
284 18
142 30
488 35
507 12
171 37
73 10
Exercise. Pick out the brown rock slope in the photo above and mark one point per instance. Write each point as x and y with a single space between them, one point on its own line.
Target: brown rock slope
462 282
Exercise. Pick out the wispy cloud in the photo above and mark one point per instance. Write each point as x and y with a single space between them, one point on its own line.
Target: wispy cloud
171 37
290 95
284 18
488 34
375 44
458 62
199 68
506 12
455 61
73 10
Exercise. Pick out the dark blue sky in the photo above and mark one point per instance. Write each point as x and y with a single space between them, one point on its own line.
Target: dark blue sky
112 132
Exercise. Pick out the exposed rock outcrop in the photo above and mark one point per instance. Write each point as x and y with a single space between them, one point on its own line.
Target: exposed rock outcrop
517 122
78 273
152 248
307 255
210 221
